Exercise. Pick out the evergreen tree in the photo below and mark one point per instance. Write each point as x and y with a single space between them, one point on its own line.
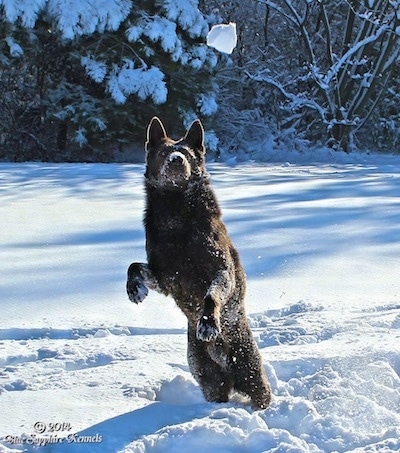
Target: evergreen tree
89 74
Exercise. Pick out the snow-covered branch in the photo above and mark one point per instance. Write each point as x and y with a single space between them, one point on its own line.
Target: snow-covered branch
137 53
336 67
297 101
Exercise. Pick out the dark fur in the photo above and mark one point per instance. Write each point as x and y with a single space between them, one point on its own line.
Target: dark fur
191 257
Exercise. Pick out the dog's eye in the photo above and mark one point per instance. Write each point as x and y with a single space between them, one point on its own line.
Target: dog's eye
188 153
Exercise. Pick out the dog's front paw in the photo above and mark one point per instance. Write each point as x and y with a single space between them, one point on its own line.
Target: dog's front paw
135 286
208 329
137 290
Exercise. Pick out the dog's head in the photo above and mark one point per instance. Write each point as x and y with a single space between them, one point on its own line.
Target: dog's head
174 164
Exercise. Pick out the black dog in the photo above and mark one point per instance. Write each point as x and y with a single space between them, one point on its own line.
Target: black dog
191 257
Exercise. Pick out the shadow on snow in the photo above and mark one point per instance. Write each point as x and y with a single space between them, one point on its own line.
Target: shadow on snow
115 433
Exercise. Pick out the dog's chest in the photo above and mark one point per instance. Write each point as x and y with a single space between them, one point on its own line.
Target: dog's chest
178 246
183 255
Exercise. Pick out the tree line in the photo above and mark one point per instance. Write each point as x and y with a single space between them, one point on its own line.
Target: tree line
80 80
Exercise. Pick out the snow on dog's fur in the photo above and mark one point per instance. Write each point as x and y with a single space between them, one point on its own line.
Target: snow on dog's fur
191 257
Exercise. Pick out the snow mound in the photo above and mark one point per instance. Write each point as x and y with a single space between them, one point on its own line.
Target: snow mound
225 430
180 390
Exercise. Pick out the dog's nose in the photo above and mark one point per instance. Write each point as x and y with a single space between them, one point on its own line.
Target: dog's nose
176 158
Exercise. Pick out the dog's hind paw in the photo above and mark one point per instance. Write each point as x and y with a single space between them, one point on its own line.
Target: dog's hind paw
207 329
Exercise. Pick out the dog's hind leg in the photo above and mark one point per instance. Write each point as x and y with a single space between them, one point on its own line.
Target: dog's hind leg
208 370
247 369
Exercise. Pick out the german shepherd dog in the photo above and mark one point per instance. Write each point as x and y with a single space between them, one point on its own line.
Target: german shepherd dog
191 258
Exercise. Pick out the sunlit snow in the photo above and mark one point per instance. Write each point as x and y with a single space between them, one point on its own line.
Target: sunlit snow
320 244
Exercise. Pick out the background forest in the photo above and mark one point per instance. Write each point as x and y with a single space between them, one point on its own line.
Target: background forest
79 80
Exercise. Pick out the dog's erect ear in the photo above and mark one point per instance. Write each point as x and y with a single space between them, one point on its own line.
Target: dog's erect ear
155 133
195 136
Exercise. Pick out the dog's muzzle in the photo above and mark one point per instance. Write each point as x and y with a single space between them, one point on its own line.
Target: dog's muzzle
176 168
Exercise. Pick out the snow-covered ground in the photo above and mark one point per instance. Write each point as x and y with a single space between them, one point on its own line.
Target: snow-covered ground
82 367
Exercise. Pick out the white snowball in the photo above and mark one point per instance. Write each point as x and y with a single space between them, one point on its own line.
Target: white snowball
223 37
